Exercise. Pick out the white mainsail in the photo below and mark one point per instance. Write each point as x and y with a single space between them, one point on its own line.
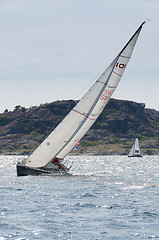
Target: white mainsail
65 136
135 150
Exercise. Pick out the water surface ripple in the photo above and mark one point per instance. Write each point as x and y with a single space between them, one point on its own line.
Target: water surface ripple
105 197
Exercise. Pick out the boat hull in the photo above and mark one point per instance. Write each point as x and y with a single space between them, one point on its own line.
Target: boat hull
25 171
136 155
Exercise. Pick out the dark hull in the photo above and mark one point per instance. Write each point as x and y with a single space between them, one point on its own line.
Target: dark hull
25 171
136 155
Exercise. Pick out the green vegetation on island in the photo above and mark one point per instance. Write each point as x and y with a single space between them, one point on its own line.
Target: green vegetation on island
23 129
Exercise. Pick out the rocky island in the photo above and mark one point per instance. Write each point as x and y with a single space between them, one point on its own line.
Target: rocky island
23 129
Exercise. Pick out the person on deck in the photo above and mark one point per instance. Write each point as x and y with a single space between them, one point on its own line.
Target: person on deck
61 166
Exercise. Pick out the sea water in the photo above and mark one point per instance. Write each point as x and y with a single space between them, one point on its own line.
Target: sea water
104 197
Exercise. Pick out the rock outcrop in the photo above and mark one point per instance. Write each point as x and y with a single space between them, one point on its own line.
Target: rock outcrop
22 130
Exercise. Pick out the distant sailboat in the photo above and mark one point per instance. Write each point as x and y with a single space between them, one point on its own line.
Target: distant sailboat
135 150
47 158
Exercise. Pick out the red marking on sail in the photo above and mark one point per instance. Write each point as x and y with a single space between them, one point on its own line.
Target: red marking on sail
117 74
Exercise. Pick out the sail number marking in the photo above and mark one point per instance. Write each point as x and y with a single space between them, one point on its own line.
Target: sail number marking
120 65
106 95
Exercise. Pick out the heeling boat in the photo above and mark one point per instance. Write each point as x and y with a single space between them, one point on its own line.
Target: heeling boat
47 158
135 150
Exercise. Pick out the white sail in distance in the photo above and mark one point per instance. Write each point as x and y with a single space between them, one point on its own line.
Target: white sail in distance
131 153
135 150
74 126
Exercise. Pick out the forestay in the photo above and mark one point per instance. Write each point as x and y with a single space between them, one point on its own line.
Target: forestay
65 136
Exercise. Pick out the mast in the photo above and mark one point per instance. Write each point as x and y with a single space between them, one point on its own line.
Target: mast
73 127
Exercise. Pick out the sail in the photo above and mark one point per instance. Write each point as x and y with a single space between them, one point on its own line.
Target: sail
131 153
135 150
66 135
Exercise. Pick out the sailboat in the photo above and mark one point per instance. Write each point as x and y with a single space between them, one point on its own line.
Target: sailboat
48 157
135 150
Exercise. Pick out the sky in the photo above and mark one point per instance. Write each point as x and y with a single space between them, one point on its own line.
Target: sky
56 49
